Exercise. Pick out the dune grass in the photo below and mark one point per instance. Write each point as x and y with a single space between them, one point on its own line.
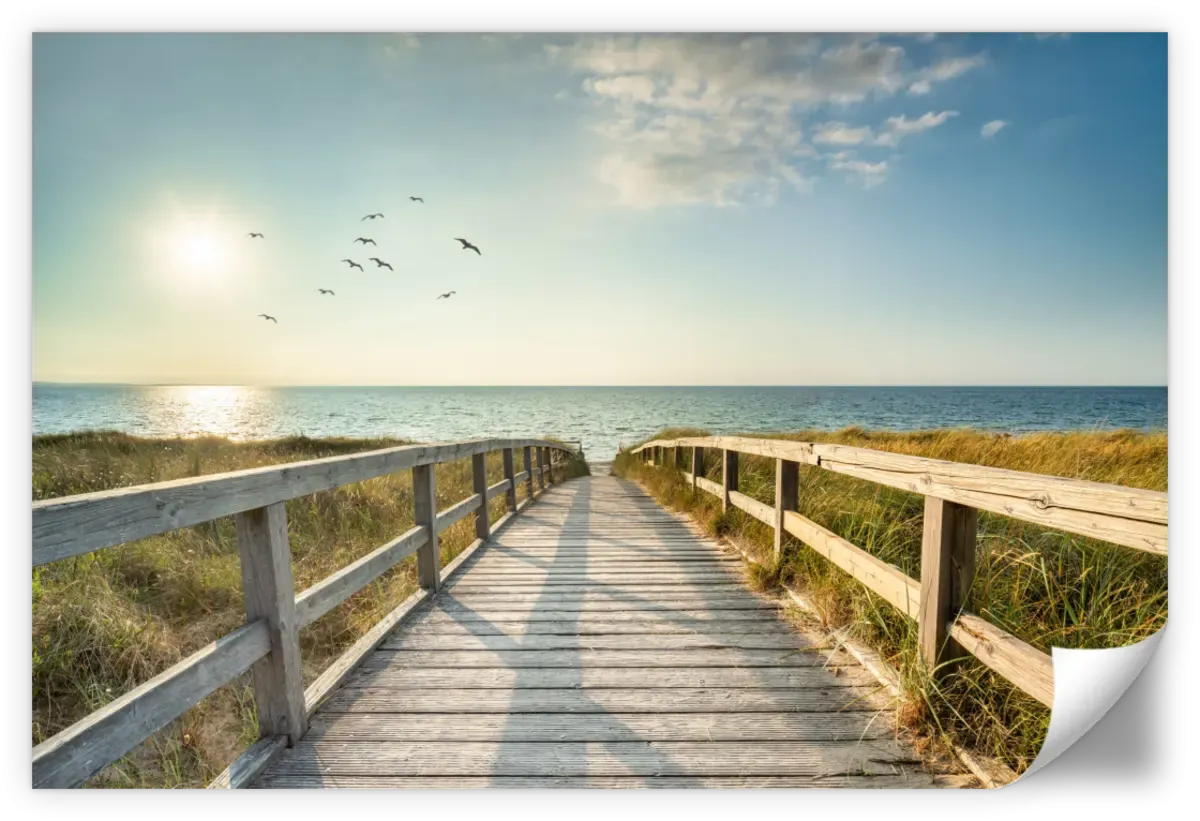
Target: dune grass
107 621
1047 587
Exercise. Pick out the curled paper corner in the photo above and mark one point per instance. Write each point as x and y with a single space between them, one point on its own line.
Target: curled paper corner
1087 683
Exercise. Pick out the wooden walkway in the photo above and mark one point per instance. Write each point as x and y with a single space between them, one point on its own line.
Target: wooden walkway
598 642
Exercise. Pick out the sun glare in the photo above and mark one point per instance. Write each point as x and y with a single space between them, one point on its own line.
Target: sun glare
199 251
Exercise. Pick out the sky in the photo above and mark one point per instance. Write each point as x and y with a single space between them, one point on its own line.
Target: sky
799 209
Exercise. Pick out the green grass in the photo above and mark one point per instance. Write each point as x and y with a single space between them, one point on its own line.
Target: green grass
107 621
1047 587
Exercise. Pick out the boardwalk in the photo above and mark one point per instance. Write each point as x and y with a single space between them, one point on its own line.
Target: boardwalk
597 642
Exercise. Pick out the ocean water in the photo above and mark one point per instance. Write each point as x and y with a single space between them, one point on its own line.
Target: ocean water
602 418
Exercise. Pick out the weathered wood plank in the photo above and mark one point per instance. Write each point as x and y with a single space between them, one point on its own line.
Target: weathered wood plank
801 452
709 486
72 525
480 486
458 511
788 678
832 699
1022 664
720 657
83 749
947 569
877 575
729 477
500 487
773 758
511 477
906 779
268 592
764 513
322 597
533 613
572 627
787 495
429 572
250 764
422 640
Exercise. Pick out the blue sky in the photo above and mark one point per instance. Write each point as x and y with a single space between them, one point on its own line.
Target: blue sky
779 209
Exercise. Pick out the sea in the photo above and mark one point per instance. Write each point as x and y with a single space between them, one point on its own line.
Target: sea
601 418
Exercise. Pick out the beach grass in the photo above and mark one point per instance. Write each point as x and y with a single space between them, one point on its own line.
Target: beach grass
107 621
1047 587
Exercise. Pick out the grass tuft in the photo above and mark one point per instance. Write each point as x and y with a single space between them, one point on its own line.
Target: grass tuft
1047 587
107 621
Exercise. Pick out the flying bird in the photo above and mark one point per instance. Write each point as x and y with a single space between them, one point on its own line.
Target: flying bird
446 295
380 263
371 217
254 234
273 319
365 240
416 199
353 264
326 291
466 244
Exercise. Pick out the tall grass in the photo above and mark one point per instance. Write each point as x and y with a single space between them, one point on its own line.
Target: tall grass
1047 587
107 621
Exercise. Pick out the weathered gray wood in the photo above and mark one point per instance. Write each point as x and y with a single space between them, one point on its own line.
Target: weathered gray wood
832 699
266 561
429 556
322 597
498 488
787 497
697 465
657 759
704 657
511 477
877 575
640 726
907 778
1023 665
947 569
541 469
523 476
801 452
480 486
729 477
709 486
527 470
250 764
422 640
532 614
83 749
763 512
459 510
786 678
73 525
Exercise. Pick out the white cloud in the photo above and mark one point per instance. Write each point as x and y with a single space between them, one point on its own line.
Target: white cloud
717 118
1052 35
991 129
920 87
867 174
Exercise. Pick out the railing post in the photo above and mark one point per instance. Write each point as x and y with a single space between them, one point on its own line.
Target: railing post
541 469
947 570
527 459
483 527
269 594
510 473
787 496
429 571
729 477
549 466
697 464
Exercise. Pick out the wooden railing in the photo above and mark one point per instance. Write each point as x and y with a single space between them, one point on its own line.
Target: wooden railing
954 493
268 644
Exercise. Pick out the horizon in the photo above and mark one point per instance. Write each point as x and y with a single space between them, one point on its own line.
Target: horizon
1047 386
892 210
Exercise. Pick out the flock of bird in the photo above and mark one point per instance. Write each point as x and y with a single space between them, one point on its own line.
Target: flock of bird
467 245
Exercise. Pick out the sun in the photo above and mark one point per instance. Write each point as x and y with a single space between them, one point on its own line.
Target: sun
199 250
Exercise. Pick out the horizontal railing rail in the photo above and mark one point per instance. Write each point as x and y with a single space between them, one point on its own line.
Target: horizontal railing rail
954 493
268 644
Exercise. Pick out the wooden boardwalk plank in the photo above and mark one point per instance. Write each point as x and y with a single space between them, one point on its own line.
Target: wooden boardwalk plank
598 642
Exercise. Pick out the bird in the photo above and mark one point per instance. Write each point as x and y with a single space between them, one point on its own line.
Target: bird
417 199
371 217
326 291
380 263
353 264
254 234
446 295
365 240
267 316
466 244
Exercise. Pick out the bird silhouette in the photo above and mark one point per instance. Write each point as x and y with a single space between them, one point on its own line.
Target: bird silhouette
254 234
466 244
371 217
353 264
446 295
326 291
365 240
380 263
417 199
267 316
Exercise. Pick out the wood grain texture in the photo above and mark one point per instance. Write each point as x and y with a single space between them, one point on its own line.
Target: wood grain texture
250 764
906 779
322 597
948 546
510 476
709 486
429 571
787 495
788 678
1022 664
77 753
764 513
729 477
72 525
266 563
459 510
480 487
